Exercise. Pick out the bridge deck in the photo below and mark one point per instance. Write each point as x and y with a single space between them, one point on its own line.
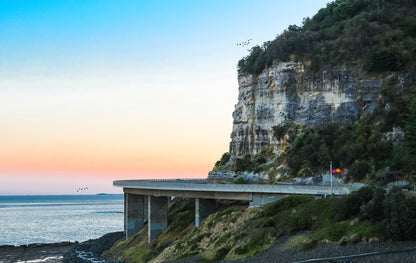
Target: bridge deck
199 187
148 199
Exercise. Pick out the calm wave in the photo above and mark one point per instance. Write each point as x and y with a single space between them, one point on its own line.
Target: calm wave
49 219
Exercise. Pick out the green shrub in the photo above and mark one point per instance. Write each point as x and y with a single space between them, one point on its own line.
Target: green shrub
374 210
223 239
344 10
187 255
379 33
384 59
359 169
369 230
243 164
240 181
335 232
309 245
350 205
270 222
285 203
401 219
250 163
241 250
224 159
221 253
257 241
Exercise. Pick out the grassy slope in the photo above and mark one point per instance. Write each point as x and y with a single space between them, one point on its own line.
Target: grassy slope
235 233
136 249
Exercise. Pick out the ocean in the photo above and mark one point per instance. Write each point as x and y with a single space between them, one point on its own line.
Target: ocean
49 219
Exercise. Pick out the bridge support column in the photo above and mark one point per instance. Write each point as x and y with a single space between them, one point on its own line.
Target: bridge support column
259 199
203 208
134 213
157 216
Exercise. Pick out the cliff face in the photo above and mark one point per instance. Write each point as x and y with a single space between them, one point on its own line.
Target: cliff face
284 93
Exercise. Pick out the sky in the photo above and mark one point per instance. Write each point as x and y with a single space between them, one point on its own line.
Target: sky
93 91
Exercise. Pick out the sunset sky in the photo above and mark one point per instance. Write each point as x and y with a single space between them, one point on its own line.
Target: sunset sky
94 91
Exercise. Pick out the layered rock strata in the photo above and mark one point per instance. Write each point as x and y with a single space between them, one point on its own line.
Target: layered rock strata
284 93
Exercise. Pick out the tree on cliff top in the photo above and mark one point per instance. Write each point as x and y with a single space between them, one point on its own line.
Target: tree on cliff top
378 34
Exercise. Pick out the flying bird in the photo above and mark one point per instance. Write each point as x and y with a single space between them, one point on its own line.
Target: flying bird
244 43
82 189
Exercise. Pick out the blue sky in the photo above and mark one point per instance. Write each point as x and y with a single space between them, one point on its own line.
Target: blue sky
140 33
105 90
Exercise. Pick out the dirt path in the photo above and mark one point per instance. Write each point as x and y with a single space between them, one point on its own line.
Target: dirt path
403 252
363 252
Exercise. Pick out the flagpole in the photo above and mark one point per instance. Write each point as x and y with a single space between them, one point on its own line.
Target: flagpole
330 173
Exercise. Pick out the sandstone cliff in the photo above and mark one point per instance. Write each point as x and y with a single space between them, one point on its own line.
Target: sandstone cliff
285 93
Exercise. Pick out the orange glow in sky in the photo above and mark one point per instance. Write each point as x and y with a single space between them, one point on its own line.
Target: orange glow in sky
94 91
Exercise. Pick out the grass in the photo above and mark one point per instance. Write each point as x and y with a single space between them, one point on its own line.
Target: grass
233 234
286 216
294 241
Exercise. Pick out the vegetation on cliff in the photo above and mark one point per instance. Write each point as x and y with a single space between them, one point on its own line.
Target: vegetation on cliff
379 147
378 36
237 232
381 35
379 39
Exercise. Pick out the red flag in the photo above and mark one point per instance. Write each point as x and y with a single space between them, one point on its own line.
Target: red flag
337 171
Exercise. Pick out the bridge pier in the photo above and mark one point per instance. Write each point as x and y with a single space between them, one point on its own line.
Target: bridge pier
147 199
203 208
157 216
259 199
134 213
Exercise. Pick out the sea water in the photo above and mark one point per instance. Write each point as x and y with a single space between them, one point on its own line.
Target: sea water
49 219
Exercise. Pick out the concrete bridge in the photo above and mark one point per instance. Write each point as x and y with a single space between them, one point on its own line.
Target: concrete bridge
147 200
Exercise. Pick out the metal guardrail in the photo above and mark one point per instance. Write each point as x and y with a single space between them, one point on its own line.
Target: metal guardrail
179 180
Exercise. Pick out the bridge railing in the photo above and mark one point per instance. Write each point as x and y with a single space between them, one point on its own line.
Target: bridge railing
204 181
202 185
182 181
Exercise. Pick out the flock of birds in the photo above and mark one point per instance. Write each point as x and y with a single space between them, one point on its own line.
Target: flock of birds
244 43
82 189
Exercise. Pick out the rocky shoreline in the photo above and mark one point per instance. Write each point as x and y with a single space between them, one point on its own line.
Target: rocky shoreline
63 252
90 251
45 253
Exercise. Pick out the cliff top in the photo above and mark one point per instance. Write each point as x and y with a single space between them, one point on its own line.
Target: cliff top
379 35
347 95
